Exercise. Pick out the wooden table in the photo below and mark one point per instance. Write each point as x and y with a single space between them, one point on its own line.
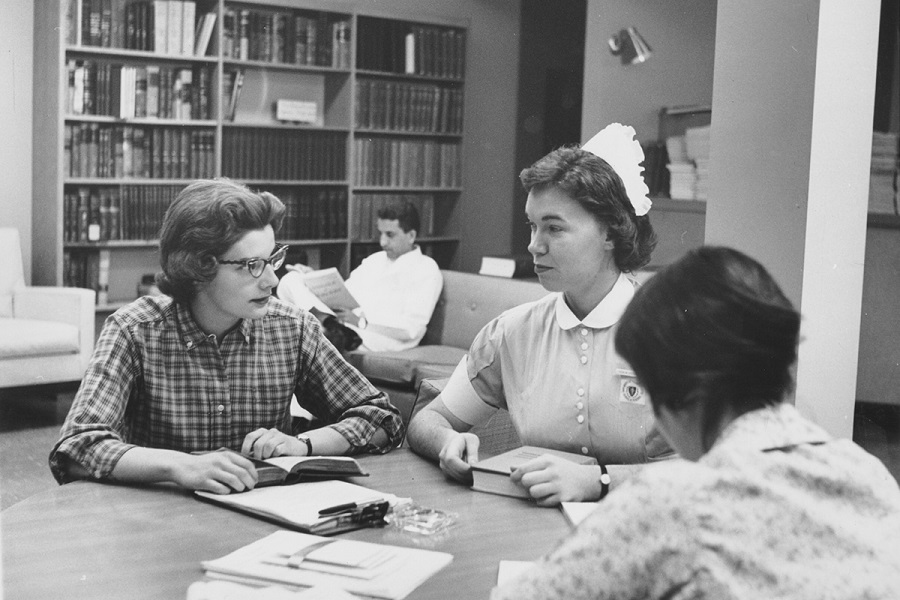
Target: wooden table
92 540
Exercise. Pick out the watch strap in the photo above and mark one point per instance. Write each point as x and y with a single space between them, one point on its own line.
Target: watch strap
305 439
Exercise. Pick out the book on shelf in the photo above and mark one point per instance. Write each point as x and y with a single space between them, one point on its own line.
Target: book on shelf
511 266
492 474
298 560
325 507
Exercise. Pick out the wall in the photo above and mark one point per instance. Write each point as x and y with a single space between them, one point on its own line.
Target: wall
682 35
16 73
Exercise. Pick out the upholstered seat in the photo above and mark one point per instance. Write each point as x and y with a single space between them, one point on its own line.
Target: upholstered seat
46 333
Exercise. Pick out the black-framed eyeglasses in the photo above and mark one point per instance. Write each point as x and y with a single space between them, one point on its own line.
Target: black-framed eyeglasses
256 266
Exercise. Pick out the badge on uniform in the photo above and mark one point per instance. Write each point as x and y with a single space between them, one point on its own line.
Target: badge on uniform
630 391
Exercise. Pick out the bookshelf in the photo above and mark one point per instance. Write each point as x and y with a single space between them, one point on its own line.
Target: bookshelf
336 111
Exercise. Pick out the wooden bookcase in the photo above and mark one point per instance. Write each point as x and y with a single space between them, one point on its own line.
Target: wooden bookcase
377 104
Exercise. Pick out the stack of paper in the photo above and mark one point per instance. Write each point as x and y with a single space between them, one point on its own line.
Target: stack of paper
682 181
883 174
299 560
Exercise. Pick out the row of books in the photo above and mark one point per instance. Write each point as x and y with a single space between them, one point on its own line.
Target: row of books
143 91
284 154
399 47
302 38
314 214
415 107
162 26
407 163
100 150
125 212
88 270
364 224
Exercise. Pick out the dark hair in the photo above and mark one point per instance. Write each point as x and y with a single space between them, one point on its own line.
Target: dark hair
404 213
205 220
712 328
597 187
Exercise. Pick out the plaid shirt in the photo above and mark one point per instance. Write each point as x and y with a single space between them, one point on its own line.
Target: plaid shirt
156 380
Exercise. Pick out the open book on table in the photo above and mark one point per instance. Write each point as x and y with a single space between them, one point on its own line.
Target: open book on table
321 507
297 560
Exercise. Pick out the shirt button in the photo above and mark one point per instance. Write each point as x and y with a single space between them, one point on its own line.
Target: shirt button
220 408
580 405
580 418
581 391
584 345
190 344
584 360
584 332
584 450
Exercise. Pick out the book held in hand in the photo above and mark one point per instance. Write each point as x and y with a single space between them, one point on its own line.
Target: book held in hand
296 560
492 474
328 286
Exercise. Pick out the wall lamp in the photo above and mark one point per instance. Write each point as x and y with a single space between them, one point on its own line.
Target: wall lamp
629 46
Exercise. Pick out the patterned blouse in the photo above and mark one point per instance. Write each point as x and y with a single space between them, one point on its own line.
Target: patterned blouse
776 509
157 380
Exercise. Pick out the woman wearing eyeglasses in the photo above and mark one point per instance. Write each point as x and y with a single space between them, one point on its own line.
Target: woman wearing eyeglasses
214 363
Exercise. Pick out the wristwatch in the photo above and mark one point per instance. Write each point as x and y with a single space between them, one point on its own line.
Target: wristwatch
605 480
305 439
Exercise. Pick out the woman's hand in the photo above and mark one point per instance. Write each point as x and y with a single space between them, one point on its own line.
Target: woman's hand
266 443
457 456
551 480
217 472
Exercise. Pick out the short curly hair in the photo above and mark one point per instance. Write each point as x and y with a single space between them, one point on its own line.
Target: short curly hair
205 220
713 328
589 180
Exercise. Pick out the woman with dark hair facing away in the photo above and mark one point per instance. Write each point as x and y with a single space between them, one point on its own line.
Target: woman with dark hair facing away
551 363
215 363
766 504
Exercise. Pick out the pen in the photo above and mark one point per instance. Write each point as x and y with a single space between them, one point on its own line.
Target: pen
339 508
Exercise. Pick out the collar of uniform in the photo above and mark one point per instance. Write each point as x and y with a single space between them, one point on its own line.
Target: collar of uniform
771 428
191 334
606 314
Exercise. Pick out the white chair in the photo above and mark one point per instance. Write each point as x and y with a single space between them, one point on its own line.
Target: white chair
46 333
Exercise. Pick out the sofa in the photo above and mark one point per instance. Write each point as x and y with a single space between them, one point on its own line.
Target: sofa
466 304
46 333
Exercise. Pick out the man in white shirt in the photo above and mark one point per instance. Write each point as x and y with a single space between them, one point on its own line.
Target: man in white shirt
397 288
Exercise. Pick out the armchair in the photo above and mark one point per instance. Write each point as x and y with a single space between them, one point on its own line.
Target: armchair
46 333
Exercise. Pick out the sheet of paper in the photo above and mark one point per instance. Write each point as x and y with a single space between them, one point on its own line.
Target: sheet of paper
510 569
576 512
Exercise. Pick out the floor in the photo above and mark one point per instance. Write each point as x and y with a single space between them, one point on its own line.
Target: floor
30 420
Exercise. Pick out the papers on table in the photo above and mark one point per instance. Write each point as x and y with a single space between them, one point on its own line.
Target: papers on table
576 512
298 506
301 560
510 569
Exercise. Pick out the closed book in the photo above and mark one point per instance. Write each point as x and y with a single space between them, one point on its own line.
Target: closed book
492 474
507 266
